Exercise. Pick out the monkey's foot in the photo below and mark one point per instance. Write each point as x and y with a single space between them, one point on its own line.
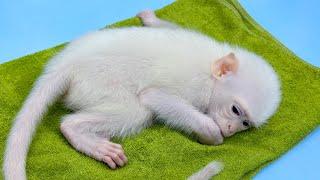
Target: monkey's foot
148 17
110 153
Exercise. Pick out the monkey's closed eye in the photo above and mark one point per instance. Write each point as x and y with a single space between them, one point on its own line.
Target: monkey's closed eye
245 123
235 110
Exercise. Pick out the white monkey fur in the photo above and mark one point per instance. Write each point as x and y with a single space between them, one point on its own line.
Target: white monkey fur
103 74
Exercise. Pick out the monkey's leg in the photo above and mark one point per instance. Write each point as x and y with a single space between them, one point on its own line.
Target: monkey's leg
149 18
90 133
181 114
79 130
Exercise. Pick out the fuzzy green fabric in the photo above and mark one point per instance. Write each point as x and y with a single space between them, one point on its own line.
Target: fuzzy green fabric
161 153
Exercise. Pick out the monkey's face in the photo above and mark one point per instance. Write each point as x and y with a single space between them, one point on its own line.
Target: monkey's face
230 114
246 93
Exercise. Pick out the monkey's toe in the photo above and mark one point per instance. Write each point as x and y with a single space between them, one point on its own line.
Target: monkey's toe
147 17
146 14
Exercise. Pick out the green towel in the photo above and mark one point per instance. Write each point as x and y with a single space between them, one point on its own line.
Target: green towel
161 153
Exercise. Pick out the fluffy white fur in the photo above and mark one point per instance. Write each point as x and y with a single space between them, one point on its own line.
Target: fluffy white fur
117 79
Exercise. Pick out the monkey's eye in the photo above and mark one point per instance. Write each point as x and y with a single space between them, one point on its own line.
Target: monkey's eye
235 110
245 123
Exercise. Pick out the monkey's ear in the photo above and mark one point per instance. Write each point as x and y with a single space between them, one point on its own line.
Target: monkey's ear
225 65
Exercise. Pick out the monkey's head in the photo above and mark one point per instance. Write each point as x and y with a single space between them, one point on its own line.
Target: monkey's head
247 92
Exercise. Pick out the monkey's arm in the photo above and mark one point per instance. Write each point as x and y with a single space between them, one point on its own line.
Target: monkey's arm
179 113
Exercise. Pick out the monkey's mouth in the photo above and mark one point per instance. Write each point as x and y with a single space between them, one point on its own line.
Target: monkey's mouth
221 132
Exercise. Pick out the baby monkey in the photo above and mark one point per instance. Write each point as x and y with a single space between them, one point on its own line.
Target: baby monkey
117 80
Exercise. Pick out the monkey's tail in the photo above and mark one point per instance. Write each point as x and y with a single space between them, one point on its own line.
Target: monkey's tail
208 171
46 90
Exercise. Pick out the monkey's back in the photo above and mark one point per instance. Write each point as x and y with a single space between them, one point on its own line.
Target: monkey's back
117 62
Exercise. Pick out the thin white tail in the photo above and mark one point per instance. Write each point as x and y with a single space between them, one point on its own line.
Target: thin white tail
48 87
208 171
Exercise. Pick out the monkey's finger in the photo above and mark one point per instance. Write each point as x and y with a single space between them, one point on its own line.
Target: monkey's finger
124 158
116 158
120 153
109 161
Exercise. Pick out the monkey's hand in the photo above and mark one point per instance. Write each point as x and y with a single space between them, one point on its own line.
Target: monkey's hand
180 113
209 132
